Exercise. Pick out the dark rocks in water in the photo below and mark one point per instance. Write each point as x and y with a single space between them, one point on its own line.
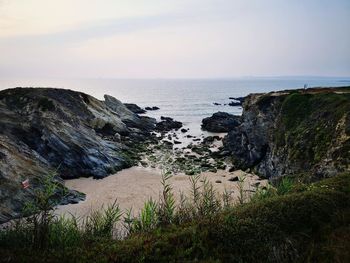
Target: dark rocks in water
134 108
196 139
221 122
152 108
184 130
177 142
189 136
216 104
240 99
166 118
45 129
234 103
167 124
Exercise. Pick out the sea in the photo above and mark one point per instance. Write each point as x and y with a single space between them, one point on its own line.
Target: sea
185 100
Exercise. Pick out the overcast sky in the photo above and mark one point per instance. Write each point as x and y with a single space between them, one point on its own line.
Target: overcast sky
177 38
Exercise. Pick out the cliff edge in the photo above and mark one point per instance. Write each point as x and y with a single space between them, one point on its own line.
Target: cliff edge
293 131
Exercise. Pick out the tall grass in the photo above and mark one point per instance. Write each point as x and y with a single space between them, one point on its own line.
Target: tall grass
147 219
240 186
44 229
101 223
285 185
167 205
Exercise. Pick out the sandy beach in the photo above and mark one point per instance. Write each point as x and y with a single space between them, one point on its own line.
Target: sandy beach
132 187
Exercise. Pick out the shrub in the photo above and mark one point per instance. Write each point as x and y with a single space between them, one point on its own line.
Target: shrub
303 225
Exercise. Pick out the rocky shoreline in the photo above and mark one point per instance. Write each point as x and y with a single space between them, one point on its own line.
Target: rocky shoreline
77 135
66 132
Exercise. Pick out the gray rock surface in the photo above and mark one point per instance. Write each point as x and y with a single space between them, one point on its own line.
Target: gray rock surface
44 129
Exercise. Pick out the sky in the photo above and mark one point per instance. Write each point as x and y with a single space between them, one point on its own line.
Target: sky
174 38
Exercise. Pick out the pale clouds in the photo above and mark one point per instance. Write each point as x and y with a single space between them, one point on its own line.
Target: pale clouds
161 38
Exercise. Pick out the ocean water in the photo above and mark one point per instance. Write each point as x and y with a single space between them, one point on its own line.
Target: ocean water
186 100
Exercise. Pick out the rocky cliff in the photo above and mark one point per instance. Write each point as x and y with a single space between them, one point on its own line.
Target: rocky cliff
291 132
44 129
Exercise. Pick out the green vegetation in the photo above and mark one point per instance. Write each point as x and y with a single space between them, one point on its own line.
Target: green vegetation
307 125
291 222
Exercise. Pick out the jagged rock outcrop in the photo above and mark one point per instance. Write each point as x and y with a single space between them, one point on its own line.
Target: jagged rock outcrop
135 108
291 132
167 124
44 129
221 122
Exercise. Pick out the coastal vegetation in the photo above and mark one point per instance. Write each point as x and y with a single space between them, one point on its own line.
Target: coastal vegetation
292 221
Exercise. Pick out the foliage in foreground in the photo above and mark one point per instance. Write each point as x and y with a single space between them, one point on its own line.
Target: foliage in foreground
290 223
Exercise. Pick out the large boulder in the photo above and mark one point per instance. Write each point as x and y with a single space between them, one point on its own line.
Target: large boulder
221 122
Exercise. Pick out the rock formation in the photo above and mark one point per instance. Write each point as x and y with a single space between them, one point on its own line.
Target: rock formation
221 122
44 129
134 108
167 124
291 132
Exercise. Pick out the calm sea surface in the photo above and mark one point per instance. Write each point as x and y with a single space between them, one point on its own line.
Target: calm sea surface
185 100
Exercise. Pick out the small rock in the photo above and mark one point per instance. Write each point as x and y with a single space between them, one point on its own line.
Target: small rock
134 108
240 99
233 179
232 169
233 103
218 182
144 164
152 108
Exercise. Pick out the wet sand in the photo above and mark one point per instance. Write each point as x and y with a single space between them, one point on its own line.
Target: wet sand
132 187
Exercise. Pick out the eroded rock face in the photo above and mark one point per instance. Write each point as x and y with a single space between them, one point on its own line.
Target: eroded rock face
293 132
48 129
221 122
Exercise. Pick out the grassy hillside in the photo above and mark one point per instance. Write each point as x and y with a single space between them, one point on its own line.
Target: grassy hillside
314 125
294 223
